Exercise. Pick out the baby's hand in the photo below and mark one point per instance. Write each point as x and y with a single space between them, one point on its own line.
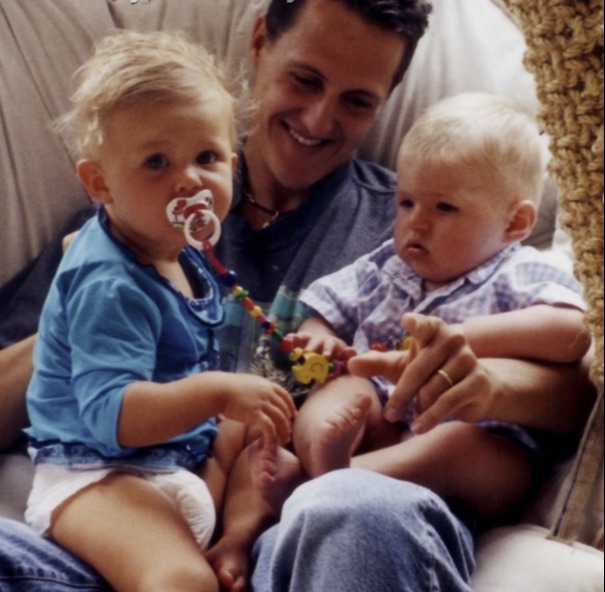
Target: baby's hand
330 346
261 404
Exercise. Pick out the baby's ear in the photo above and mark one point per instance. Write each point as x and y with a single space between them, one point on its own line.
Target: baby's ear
91 176
522 219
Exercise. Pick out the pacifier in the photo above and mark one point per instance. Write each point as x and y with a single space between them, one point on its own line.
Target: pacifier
193 214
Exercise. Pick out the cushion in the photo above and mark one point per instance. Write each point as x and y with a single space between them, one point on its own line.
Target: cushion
523 559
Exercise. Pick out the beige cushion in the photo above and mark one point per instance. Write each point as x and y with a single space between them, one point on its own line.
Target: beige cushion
523 559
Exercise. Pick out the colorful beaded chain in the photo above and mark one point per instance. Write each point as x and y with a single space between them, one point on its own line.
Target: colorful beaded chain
307 366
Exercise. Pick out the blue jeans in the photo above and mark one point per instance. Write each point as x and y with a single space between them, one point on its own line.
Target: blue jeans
348 530
30 563
356 530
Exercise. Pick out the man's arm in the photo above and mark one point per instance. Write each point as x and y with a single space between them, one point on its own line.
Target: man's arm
16 368
554 397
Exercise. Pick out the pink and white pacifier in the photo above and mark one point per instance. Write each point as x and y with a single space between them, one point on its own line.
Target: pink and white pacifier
192 215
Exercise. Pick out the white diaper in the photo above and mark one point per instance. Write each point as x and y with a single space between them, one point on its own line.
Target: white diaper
54 484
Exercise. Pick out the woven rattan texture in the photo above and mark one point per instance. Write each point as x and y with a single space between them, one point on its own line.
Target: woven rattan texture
565 54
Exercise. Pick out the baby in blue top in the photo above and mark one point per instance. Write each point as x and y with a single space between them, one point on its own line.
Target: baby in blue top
470 175
126 389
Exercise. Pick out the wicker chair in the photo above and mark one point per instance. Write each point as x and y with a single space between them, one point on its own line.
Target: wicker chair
565 54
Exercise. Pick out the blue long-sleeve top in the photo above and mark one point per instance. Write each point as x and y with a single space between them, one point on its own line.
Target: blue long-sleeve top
109 322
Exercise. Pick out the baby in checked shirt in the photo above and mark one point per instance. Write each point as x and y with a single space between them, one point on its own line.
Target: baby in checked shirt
470 175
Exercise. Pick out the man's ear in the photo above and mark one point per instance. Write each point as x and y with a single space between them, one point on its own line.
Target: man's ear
522 219
258 40
92 177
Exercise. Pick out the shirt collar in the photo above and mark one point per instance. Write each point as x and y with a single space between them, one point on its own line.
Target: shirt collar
406 279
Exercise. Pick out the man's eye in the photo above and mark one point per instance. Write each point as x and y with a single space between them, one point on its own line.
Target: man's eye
156 161
207 157
360 103
306 82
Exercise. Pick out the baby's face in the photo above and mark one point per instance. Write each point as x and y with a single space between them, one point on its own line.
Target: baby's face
157 152
448 221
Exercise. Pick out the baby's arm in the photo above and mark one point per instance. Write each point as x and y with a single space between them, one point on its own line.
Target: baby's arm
153 413
540 332
317 335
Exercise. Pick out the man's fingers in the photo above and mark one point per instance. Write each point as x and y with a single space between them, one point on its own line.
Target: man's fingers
422 328
390 365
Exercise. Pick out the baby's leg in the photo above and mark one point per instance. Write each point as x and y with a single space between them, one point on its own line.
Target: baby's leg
245 515
215 471
331 424
134 536
276 473
488 474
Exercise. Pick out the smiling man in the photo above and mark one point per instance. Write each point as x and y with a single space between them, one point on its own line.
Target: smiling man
304 206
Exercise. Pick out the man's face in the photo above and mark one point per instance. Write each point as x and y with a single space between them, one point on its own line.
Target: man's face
319 87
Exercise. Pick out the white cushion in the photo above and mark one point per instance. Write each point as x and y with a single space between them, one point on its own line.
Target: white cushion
523 559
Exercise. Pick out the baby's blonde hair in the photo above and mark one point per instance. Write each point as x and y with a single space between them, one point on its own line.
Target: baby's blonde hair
131 67
490 136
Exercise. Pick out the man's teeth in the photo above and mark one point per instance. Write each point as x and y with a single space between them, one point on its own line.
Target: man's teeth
304 141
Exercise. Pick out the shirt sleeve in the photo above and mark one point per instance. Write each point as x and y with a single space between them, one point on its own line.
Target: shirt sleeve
536 278
113 344
337 297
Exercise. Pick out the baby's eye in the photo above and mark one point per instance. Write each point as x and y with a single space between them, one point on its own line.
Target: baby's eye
406 204
446 207
156 162
207 157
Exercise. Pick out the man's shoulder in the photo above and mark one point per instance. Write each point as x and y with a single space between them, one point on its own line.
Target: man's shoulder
373 177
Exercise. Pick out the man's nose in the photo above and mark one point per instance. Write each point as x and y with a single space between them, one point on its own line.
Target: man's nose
319 117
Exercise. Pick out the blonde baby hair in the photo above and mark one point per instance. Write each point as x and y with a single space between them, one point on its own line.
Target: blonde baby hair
490 136
131 67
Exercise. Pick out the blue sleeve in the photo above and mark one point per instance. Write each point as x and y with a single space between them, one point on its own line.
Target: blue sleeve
113 344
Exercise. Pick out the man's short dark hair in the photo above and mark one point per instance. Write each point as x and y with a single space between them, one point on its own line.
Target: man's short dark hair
407 18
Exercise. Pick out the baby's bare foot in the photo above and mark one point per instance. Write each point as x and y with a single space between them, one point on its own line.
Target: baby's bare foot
275 472
338 437
230 563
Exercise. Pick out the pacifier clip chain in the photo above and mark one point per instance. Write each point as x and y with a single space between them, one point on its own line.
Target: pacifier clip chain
307 366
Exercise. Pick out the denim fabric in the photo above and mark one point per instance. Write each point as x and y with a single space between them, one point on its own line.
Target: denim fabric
160 458
356 530
348 530
29 563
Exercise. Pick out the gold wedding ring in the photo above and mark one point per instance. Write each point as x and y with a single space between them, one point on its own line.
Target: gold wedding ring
446 377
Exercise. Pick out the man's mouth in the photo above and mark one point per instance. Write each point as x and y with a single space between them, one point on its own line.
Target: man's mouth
303 140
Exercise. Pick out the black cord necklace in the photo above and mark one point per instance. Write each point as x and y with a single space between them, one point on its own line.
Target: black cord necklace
275 214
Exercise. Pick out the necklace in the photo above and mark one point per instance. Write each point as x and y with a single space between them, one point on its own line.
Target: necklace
275 214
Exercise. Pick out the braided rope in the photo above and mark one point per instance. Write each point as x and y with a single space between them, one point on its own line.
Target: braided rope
565 55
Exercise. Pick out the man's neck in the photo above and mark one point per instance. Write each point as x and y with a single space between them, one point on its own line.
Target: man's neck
264 199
